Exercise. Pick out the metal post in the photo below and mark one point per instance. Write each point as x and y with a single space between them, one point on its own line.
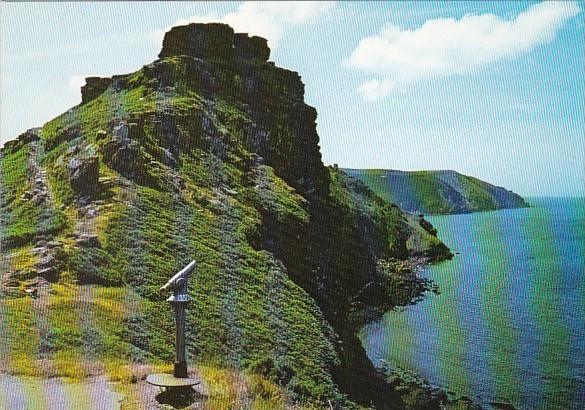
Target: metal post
180 368
179 301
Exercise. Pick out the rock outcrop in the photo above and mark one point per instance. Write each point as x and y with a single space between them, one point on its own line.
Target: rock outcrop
84 174
94 87
214 41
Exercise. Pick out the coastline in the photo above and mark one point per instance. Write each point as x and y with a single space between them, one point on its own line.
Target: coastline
412 389
458 340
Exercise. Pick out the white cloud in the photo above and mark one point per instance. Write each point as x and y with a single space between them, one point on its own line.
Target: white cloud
446 46
377 89
268 19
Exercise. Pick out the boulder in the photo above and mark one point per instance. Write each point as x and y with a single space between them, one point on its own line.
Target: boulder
84 174
123 155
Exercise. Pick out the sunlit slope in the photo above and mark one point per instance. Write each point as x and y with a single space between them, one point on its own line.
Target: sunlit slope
437 192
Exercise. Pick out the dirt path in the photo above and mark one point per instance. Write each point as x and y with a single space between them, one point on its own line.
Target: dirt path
57 394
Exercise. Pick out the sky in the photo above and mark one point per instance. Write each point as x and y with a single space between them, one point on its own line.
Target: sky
495 90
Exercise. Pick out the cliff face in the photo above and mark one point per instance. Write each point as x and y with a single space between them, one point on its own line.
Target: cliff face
208 153
437 192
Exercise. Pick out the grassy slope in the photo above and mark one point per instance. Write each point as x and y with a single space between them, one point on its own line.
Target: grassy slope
437 192
257 307
24 218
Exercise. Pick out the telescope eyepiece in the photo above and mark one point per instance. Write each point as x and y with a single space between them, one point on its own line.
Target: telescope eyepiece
178 283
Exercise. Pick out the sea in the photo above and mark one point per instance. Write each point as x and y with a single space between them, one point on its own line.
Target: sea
508 327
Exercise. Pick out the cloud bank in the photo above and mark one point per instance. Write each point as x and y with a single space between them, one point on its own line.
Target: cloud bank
446 46
268 19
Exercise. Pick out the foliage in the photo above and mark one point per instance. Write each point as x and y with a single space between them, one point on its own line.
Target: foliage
24 217
437 192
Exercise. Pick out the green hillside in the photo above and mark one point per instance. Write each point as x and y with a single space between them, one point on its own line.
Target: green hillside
437 192
208 153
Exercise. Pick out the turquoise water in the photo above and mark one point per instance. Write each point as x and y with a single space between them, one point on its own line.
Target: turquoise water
509 324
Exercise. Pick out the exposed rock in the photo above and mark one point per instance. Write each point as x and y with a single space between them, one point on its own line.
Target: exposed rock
50 273
123 155
26 196
88 240
39 251
30 135
94 87
121 132
107 182
136 129
213 40
32 292
73 149
427 226
257 160
168 158
84 174
37 287
199 40
41 242
251 48
53 244
13 278
46 261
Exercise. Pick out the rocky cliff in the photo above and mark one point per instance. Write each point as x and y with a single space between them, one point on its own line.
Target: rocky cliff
437 192
208 153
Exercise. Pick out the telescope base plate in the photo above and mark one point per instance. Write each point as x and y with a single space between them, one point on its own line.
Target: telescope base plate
169 381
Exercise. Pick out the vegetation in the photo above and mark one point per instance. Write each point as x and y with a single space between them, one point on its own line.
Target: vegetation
290 254
437 192
24 217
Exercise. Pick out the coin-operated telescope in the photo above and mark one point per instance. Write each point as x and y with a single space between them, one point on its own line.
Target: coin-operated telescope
178 284
179 301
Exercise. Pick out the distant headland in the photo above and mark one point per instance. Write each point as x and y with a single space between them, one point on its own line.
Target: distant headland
437 192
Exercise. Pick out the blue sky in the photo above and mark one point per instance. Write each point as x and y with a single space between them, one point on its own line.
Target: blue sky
491 89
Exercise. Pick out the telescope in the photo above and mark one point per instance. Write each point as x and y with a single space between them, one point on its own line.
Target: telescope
178 284
179 300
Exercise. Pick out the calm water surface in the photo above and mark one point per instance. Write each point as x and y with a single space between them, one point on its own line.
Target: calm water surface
509 324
